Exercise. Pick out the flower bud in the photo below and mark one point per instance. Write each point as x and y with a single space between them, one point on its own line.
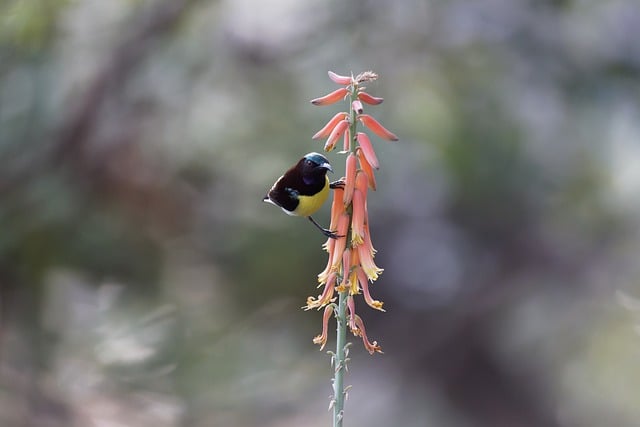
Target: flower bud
341 80
331 98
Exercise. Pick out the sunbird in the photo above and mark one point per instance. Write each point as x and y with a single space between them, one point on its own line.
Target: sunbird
303 189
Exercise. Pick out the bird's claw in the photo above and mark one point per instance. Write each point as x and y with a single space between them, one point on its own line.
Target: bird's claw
331 234
337 184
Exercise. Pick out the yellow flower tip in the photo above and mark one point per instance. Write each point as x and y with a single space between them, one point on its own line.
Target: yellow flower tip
331 98
377 128
341 288
341 80
356 239
376 305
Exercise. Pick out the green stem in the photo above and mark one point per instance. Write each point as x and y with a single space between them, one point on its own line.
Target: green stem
340 357
340 360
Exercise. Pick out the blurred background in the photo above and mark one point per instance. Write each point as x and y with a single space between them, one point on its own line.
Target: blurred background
144 283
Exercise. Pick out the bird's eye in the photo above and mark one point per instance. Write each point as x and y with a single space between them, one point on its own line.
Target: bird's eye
309 162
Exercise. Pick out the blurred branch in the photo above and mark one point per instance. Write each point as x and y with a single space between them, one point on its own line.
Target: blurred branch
129 54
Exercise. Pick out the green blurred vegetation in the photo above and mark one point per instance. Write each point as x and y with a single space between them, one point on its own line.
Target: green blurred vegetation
143 282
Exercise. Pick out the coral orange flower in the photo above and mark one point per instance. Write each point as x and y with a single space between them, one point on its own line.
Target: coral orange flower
335 134
368 99
331 98
350 178
364 285
366 168
357 223
341 80
366 260
341 243
377 128
367 149
326 130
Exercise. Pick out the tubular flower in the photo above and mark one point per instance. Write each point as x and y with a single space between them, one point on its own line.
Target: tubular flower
326 130
346 262
358 219
366 260
364 285
353 276
331 98
366 168
321 339
335 134
367 149
350 179
376 127
337 208
362 184
341 80
368 99
341 243
346 144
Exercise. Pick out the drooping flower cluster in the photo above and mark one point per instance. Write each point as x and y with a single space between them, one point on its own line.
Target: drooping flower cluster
350 267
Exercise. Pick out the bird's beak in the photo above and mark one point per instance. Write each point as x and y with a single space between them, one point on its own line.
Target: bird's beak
327 166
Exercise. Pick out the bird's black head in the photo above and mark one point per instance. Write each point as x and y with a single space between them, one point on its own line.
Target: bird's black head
314 164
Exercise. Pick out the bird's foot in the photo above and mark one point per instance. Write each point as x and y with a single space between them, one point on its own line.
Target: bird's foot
337 184
331 234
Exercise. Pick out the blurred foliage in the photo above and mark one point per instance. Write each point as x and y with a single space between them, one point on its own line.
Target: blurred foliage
143 282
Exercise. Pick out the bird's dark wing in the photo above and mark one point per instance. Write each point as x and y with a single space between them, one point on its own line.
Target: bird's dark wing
283 196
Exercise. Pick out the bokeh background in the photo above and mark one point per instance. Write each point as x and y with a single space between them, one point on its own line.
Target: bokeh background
144 283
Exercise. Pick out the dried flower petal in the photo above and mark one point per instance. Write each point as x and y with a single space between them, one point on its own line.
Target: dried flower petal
326 130
322 338
376 127
368 99
341 80
331 98
326 296
372 347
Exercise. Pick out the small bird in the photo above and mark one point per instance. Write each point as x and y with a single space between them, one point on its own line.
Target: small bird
303 189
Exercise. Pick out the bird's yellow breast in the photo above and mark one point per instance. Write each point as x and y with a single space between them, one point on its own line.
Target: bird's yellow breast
308 205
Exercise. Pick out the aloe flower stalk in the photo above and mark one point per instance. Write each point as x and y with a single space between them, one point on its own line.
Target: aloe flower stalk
350 268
